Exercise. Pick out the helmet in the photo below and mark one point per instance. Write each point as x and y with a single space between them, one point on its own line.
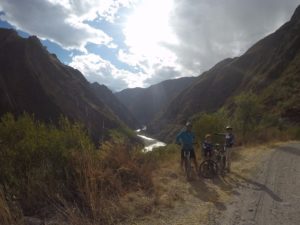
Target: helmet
228 128
207 136
188 124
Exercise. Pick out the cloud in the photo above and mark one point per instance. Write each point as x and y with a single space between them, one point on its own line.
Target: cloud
62 21
102 71
153 68
185 38
161 39
209 31
162 73
147 34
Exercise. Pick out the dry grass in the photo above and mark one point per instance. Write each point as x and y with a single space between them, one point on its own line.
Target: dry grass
93 186
58 175
105 178
5 214
177 201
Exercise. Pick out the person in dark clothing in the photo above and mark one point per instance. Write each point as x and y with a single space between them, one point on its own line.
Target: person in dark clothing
186 139
207 147
229 142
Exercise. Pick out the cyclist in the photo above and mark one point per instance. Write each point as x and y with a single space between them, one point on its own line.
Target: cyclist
207 147
186 139
229 142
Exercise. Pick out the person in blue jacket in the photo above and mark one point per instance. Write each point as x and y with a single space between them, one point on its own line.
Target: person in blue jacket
186 139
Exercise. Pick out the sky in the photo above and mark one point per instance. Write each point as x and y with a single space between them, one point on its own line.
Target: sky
137 43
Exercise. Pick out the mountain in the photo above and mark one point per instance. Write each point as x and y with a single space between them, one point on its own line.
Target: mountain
105 95
146 103
270 69
34 81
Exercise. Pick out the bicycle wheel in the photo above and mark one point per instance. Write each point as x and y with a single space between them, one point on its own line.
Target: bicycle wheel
208 168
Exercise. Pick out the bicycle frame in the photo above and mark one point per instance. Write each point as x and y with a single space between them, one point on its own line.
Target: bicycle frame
221 158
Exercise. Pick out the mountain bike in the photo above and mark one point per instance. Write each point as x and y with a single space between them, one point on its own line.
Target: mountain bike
208 168
187 164
224 153
221 158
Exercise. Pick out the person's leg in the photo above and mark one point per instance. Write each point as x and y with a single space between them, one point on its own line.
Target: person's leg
182 159
229 150
210 154
205 155
193 157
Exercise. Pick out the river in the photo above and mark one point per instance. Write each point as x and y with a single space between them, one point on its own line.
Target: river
150 143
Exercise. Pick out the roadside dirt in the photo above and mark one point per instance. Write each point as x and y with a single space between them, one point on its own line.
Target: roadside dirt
262 189
271 196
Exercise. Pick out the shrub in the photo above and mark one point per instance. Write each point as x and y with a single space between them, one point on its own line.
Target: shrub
210 124
59 170
248 113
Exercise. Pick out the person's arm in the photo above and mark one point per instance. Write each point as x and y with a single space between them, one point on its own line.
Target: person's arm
194 140
232 139
178 138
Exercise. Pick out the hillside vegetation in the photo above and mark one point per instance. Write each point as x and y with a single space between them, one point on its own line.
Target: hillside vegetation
56 173
269 70
54 169
34 81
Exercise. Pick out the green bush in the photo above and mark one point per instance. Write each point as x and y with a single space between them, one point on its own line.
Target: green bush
33 157
248 113
57 168
210 124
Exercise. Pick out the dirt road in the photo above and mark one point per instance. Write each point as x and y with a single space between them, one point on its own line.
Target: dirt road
269 197
262 189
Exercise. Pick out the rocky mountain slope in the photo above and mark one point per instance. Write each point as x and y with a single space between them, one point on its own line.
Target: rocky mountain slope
106 96
34 81
269 69
146 103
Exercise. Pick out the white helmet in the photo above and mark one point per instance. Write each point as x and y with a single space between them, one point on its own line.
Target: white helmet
188 124
228 128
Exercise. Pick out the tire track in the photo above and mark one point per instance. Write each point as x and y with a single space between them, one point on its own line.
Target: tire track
271 197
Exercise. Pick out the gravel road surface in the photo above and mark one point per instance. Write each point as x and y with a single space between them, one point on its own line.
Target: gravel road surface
271 196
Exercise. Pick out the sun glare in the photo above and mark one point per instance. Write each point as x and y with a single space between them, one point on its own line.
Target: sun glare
148 26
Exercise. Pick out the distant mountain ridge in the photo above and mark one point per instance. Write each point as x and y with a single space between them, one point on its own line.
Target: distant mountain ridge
34 81
146 103
107 96
269 69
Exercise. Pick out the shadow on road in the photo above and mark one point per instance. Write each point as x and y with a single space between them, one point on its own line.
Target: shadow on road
229 184
260 186
226 184
290 150
200 190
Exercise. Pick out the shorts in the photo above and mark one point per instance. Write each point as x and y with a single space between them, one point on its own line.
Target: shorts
192 153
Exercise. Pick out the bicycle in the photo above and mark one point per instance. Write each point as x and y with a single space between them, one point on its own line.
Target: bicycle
187 164
208 168
221 158
224 153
